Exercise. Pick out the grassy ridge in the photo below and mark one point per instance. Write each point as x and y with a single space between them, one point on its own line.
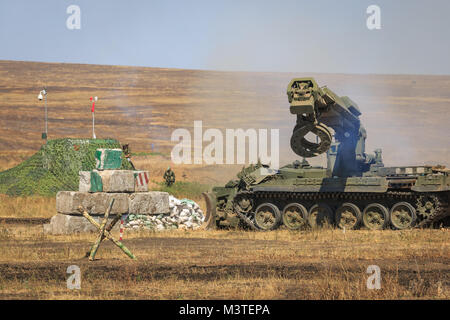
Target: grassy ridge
54 167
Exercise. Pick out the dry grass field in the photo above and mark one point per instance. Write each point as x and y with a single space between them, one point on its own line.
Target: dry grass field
224 264
407 116
317 264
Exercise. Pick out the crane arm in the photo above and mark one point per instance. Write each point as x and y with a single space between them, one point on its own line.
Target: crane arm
326 115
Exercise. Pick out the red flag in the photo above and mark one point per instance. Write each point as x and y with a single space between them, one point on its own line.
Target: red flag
93 107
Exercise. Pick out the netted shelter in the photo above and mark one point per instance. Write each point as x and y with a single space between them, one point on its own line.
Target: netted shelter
55 167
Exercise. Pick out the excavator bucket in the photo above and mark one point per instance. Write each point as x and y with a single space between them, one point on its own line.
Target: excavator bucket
210 217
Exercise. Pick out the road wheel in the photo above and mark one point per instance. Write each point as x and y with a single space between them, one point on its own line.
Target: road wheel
375 216
295 216
403 216
267 216
243 202
348 216
320 214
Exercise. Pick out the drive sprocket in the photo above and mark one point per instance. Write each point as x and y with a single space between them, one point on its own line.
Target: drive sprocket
427 206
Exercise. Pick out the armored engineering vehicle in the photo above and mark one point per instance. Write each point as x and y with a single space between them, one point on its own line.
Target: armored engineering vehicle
355 190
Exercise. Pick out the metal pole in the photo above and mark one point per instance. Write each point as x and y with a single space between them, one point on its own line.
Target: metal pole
46 118
93 125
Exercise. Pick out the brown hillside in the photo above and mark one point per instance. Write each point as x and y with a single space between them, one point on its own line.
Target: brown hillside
407 116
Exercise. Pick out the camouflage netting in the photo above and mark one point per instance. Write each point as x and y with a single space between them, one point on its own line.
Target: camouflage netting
55 167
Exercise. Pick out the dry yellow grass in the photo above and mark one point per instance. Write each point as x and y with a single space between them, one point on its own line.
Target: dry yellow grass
235 264
27 207
9 159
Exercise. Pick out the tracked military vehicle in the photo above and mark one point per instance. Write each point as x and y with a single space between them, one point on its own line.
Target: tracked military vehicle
355 190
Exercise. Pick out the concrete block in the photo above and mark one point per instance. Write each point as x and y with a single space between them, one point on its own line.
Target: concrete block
107 159
153 202
90 181
69 224
85 181
141 179
107 181
67 202
117 180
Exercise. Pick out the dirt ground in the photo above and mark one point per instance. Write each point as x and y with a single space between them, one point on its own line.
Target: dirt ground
315 264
